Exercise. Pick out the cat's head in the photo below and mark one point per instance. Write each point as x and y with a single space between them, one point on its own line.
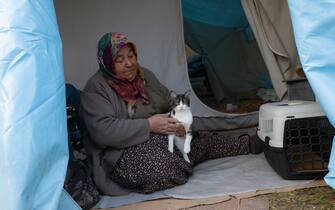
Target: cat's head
179 101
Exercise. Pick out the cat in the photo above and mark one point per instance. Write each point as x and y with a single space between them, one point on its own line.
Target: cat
180 110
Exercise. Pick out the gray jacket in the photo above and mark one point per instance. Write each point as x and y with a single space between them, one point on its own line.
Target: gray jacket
109 127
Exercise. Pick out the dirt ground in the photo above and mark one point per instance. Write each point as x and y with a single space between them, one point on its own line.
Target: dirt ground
315 195
316 198
312 198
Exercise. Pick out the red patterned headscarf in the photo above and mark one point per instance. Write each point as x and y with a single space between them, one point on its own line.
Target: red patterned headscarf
130 91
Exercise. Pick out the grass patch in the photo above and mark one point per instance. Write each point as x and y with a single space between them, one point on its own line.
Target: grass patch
318 198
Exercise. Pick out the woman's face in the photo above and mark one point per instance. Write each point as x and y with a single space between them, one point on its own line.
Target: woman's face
125 64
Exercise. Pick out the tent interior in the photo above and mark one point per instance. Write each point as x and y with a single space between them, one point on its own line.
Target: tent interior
233 55
221 51
226 68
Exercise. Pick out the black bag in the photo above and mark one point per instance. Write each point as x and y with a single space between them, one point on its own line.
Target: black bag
79 184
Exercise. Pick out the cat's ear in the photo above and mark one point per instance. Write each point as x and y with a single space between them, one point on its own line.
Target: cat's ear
187 93
173 95
172 99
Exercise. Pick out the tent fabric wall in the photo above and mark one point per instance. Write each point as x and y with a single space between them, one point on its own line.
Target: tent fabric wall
157 29
271 24
33 136
151 25
314 30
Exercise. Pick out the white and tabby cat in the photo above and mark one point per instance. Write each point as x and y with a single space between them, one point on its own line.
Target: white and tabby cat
181 111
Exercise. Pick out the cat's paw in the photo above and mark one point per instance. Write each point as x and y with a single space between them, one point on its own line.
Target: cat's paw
171 149
171 145
186 158
187 149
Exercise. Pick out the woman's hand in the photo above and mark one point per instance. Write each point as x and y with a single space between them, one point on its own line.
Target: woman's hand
163 124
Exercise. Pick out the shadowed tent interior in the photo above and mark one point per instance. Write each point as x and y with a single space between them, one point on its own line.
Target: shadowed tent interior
225 65
237 58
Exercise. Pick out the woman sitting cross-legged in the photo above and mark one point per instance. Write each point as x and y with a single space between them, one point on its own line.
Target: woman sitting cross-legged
124 107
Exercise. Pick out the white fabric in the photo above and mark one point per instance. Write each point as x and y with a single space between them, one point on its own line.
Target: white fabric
226 176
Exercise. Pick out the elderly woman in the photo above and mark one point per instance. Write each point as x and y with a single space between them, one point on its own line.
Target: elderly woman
124 108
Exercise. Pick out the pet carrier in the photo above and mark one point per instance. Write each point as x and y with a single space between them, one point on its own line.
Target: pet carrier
298 138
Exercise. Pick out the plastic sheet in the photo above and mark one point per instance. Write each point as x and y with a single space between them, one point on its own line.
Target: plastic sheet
314 30
33 144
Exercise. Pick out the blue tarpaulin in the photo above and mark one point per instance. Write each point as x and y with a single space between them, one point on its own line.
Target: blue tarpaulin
33 143
314 31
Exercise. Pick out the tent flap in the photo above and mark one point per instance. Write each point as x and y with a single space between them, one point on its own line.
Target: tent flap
33 143
271 23
314 30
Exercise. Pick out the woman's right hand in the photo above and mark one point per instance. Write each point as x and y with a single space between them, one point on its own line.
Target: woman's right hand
163 124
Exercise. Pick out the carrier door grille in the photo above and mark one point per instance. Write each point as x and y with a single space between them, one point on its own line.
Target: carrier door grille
307 143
